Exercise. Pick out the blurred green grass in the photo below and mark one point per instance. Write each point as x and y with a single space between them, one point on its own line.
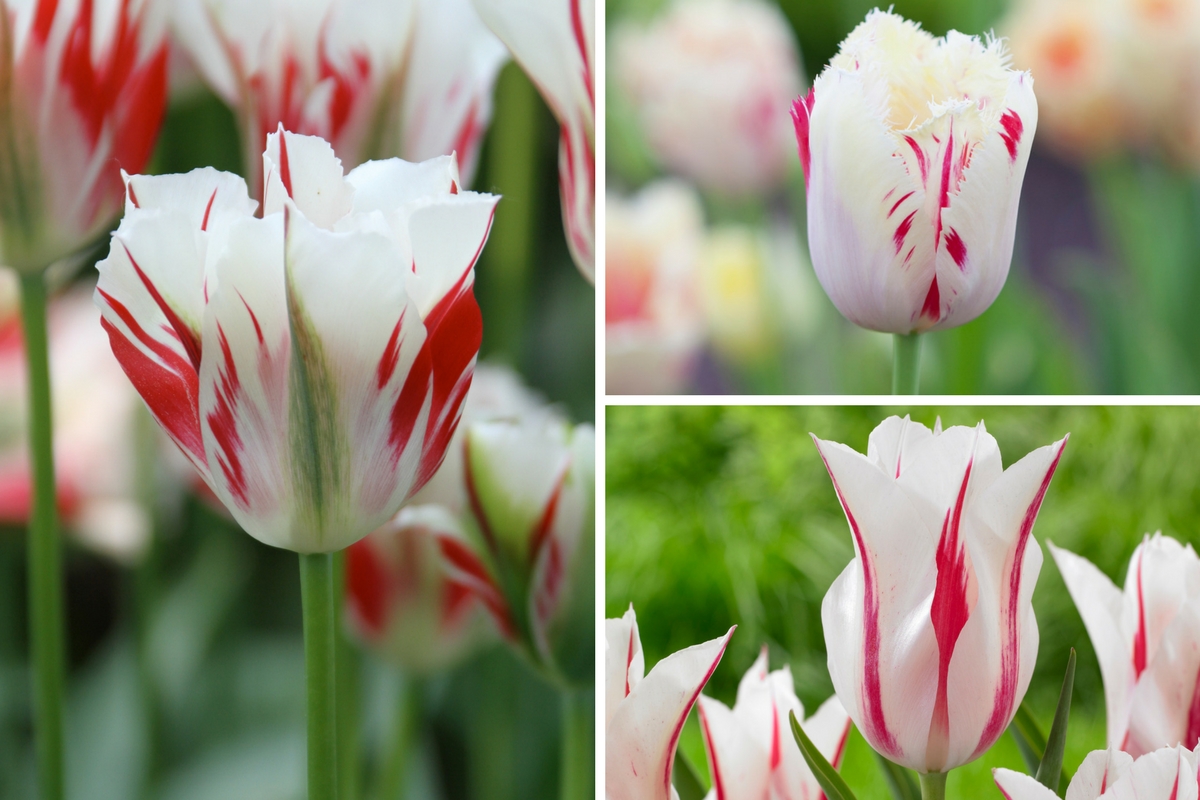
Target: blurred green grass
725 515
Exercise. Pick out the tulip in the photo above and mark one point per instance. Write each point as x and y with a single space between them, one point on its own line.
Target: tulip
1147 640
84 95
554 42
711 82
909 141
654 323
644 714
311 363
375 78
750 751
1168 773
400 601
930 629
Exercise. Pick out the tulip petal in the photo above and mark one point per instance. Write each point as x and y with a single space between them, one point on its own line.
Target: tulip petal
1166 773
1102 607
624 662
895 441
394 183
1099 770
739 766
1018 786
1176 575
1165 703
644 731
306 170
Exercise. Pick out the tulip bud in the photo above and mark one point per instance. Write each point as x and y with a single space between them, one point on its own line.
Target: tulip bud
400 600
644 715
1147 640
1169 773
749 747
914 151
930 629
654 321
84 92
711 81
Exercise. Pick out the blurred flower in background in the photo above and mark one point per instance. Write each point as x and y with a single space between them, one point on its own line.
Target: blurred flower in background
654 323
711 81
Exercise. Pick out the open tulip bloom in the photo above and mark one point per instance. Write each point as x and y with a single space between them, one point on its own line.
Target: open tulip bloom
914 150
644 714
750 750
930 630
312 362
1147 640
1169 773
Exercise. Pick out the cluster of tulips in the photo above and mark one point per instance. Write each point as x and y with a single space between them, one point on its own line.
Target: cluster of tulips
931 641
306 336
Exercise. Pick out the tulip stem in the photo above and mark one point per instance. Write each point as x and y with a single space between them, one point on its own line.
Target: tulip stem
397 764
906 364
320 636
578 754
46 626
933 785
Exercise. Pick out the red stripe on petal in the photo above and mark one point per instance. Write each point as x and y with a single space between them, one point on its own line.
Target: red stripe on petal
717 780
208 210
285 169
222 421
1139 636
802 120
871 689
1013 129
1192 733
902 231
391 355
581 46
540 531
462 558
628 661
921 160
932 309
674 740
367 587
187 337
957 249
1010 660
898 202
171 388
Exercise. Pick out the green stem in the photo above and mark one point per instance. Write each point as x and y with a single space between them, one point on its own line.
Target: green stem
45 551
906 363
347 693
316 589
398 756
933 785
578 754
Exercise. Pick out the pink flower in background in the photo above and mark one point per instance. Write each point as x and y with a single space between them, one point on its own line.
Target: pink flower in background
375 78
930 629
655 325
1169 773
554 42
644 714
311 363
95 441
711 81
914 151
1147 640
400 601
85 88
751 751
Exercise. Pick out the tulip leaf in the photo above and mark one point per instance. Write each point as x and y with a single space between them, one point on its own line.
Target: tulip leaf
1029 737
687 782
899 780
1049 772
831 782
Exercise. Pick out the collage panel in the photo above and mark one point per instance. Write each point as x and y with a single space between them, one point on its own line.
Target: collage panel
950 601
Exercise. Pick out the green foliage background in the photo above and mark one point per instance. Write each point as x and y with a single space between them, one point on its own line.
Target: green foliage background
725 515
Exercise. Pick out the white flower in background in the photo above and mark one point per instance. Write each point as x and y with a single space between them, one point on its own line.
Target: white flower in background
654 323
1169 773
712 81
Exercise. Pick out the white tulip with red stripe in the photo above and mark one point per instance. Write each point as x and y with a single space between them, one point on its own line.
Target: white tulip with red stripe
751 752
1147 640
930 630
644 714
914 151
1169 773
554 42
311 363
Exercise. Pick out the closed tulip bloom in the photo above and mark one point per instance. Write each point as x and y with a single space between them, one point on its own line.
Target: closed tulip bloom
644 714
930 629
914 151
400 600
750 749
554 42
311 363
84 91
1147 640
1169 773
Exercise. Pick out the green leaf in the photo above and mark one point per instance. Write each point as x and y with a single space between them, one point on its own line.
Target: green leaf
687 782
1049 772
899 780
835 788
1029 737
